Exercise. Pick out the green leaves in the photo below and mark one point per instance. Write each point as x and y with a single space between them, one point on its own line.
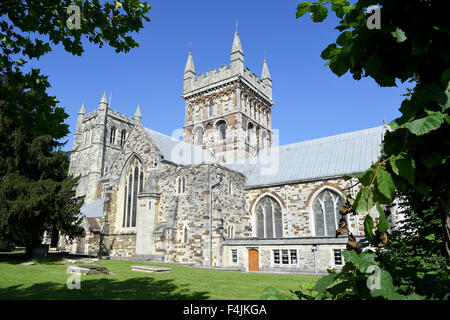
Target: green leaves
399 34
302 8
363 201
368 227
383 224
360 260
424 125
271 293
317 11
403 165
385 184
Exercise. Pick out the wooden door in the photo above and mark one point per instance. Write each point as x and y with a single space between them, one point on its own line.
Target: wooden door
253 260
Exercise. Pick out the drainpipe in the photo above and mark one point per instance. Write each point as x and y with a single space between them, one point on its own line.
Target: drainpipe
314 250
286 200
210 215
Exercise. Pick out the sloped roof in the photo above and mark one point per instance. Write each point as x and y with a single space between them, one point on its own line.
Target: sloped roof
93 224
93 209
319 158
177 151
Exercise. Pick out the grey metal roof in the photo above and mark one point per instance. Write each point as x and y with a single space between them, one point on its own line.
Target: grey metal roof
319 158
177 151
93 209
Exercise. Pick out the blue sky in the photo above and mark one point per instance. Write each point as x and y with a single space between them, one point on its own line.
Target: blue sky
310 101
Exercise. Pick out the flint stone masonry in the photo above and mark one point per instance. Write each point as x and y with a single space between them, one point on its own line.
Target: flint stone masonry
180 217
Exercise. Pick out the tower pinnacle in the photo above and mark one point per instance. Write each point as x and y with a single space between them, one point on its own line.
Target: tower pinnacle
137 114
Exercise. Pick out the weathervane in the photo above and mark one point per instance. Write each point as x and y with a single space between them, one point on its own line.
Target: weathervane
236 26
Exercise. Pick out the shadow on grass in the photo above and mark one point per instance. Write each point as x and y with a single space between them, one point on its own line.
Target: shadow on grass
18 257
104 289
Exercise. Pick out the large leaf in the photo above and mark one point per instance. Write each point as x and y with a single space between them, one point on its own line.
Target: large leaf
424 125
385 288
363 201
368 227
360 260
403 165
323 284
385 184
383 224
302 8
318 12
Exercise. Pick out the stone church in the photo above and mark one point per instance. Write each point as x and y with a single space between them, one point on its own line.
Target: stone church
226 195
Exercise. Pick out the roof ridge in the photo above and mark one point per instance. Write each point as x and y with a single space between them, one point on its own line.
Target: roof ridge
328 137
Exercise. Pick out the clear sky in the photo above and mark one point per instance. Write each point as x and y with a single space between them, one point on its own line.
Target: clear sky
310 101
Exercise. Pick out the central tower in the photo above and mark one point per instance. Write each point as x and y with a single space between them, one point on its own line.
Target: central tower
228 111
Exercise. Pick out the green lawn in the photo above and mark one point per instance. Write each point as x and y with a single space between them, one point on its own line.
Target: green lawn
47 280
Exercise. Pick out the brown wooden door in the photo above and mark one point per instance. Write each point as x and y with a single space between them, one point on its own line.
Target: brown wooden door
253 260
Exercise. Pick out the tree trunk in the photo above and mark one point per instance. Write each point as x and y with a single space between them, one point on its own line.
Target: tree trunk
445 212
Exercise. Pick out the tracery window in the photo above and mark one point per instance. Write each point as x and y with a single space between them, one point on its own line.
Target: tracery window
211 108
326 213
123 136
112 135
198 136
269 222
133 185
222 128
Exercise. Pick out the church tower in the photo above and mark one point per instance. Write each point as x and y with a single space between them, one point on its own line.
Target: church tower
98 139
228 111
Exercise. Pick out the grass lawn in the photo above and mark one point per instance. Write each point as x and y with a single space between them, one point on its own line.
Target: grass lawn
47 280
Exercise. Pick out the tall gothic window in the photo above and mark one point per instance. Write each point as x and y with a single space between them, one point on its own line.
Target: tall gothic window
211 108
112 135
222 127
198 136
133 185
123 136
326 213
250 132
269 222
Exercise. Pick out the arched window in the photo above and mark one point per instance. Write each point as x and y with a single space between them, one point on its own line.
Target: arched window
269 223
183 184
134 181
211 108
112 135
264 142
222 127
326 213
185 235
123 137
198 136
250 133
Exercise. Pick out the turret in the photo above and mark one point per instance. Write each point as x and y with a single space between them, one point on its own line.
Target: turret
237 55
189 73
266 79
137 114
103 102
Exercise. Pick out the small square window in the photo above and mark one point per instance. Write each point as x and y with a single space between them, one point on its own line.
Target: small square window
293 256
276 256
337 257
285 256
234 257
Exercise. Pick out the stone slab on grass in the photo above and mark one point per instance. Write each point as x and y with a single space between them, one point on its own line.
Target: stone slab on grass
150 269
87 269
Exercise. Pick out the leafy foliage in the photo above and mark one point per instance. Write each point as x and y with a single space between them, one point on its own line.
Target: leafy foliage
410 46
